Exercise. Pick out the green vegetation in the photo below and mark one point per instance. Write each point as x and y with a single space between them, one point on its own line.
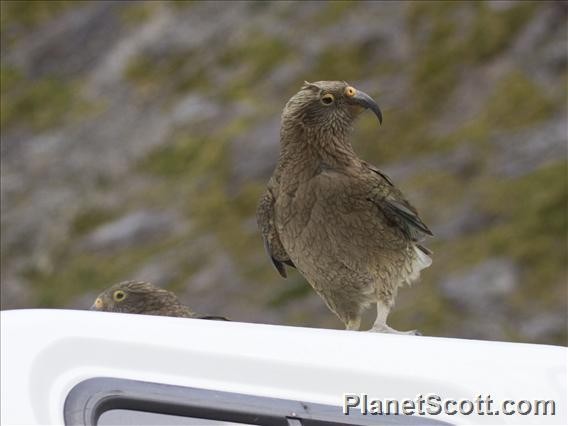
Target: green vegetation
526 222
133 14
175 73
189 155
201 166
180 4
38 104
439 43
261 52
75 273
170 74
405 135
30 13
176 158
225 215
494 28
88 219
297 289
259 55
517 102
20 16
333 11
533 223
343 62
447 46
9 77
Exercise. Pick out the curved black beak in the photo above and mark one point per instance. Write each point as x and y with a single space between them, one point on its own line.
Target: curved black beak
364 100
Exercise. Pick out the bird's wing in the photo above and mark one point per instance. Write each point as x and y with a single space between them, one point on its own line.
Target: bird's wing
396 208
272 244
184 311
380 173
213 317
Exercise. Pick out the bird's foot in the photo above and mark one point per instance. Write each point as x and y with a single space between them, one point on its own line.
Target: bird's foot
383 328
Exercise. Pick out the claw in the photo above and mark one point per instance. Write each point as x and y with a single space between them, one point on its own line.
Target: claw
386 329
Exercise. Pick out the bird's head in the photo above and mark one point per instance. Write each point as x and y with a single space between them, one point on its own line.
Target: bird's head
329 106
134 297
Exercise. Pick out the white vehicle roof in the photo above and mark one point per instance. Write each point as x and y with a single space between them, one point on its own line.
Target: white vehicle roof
46 353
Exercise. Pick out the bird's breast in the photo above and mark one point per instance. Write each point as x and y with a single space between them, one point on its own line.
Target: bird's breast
331 215
317 208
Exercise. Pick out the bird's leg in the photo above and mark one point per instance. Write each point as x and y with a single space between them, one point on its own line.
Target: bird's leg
353 324
380 325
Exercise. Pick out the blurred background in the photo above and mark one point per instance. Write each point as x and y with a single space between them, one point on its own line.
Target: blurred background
137 138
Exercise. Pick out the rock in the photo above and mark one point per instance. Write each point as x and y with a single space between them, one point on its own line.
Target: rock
80 36
142 73
218 271
85 300
216 286
484 287
544 38
130 230
15 292
194 108
543 326
520 153
162 269
489 326
254 154
453 161
464 220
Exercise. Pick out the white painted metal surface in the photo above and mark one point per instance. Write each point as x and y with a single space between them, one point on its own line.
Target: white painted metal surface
46 352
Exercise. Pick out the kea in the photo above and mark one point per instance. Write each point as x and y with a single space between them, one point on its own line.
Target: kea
140 297
336 218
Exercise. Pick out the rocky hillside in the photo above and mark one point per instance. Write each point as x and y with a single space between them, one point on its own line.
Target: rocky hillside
138 136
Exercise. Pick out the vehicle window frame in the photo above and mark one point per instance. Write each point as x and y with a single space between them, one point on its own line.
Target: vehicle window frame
89 399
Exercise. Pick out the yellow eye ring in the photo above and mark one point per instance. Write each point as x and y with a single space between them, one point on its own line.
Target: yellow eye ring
350 91
327 99
118 295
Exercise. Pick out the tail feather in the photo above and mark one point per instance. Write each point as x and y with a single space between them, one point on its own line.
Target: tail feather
421 261
422 256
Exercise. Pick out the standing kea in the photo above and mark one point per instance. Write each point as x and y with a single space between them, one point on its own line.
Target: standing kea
339 220
140 297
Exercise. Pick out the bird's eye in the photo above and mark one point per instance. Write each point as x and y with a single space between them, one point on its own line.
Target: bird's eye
350 91
327 99
119 295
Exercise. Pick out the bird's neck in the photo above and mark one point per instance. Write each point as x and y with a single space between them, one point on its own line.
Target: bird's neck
311 147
